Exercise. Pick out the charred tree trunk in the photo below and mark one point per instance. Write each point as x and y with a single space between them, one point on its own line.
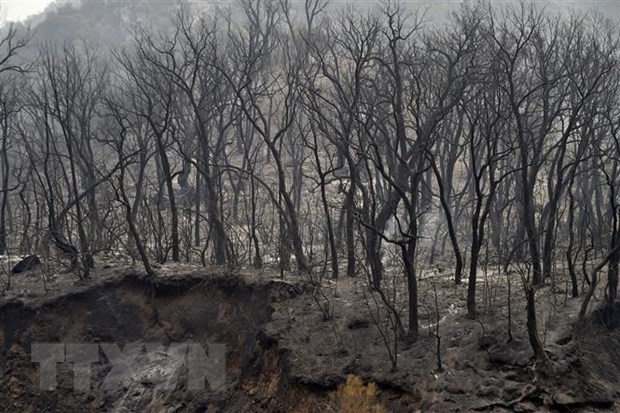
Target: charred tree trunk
532 325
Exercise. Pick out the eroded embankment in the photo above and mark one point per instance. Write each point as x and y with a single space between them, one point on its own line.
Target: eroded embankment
132 309
280 355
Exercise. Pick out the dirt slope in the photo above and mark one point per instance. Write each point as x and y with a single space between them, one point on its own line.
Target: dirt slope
128 308
281 356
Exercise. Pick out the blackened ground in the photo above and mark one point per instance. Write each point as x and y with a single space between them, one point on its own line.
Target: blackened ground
194 307
283 357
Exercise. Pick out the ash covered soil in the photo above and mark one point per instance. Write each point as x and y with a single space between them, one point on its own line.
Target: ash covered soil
283 356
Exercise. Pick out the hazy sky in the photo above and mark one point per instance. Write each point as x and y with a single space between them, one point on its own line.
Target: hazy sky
11 10
20 9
